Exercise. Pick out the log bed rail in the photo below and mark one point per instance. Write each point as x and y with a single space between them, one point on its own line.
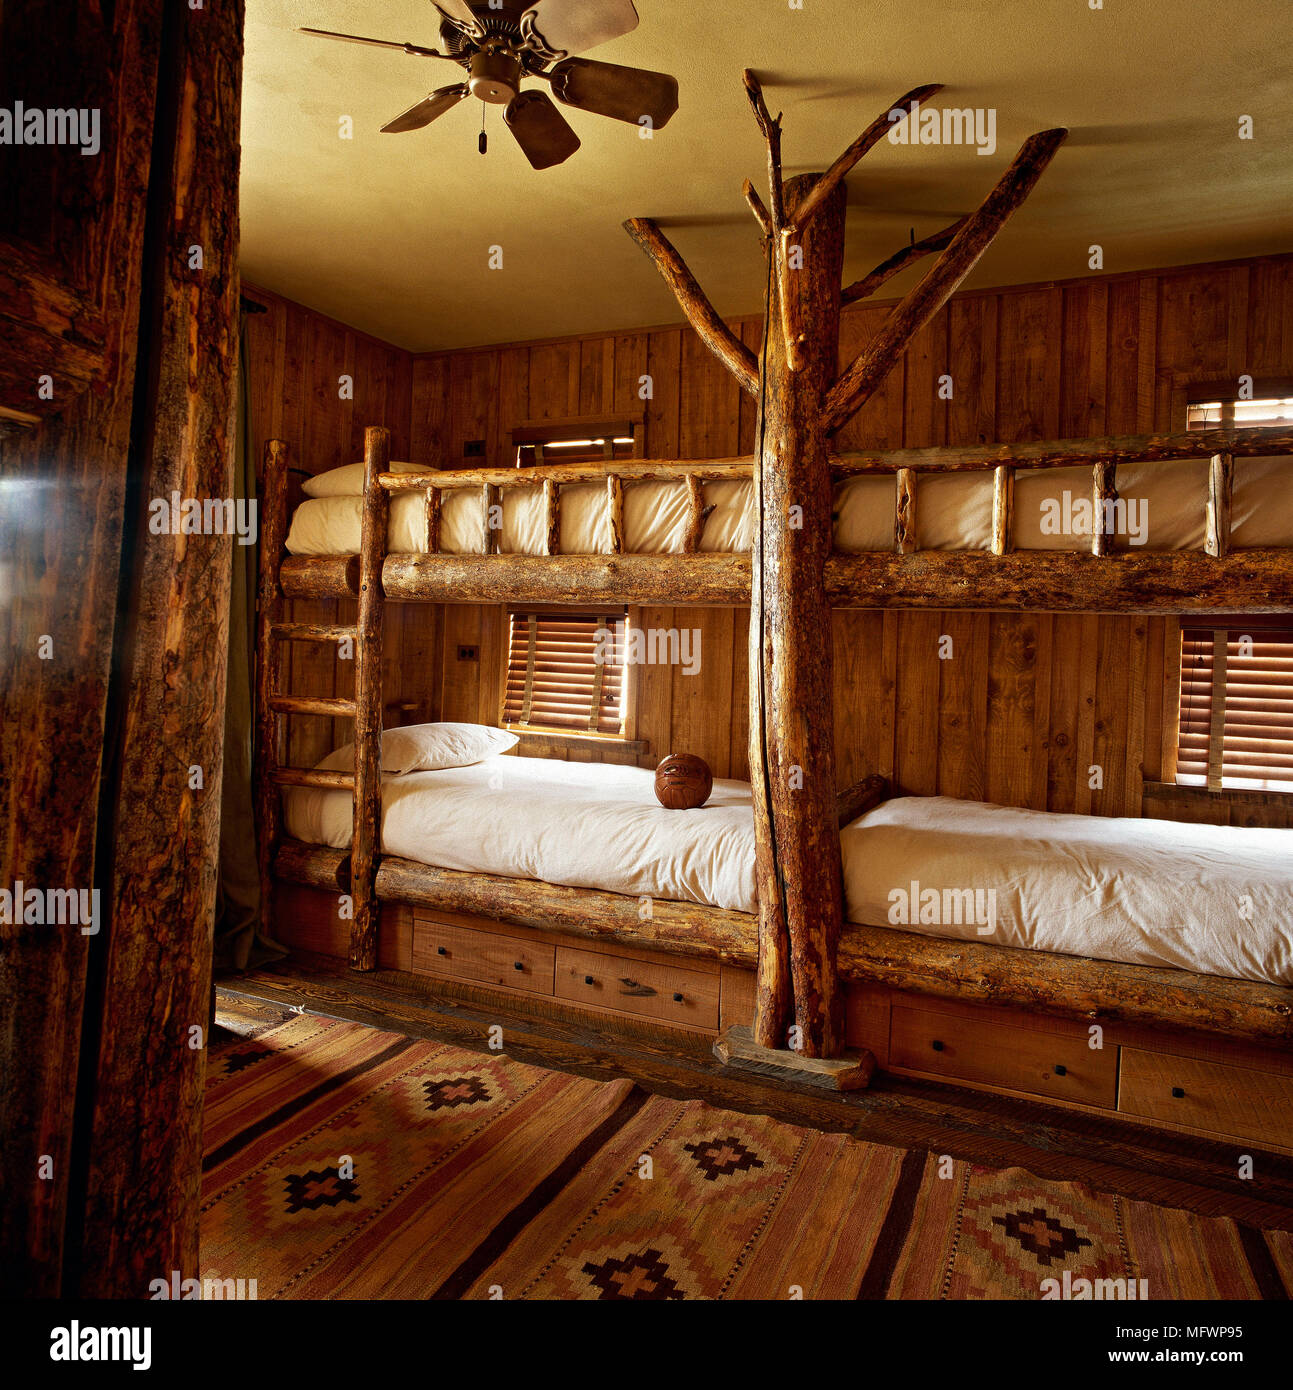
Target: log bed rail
1101 580
1065 986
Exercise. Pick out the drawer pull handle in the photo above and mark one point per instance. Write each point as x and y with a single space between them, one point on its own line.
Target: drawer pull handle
588 979
1178 1092
442 950
518 965
936 1045
635 990
677 999
1061 1069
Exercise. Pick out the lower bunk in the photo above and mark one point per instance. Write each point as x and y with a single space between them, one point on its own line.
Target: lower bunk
1170 1048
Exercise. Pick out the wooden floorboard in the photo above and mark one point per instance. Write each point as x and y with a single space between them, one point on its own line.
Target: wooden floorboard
995 1131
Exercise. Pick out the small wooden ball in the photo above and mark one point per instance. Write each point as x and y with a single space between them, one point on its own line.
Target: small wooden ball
683 781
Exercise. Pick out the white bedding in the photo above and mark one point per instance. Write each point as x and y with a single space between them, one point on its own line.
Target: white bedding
587 825
953 512
1214 899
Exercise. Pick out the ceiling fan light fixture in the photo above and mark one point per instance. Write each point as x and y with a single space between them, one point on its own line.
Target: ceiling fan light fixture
495 76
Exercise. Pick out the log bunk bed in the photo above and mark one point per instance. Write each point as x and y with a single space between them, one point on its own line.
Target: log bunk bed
825 1001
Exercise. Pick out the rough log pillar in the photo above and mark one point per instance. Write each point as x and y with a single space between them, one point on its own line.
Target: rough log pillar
792 756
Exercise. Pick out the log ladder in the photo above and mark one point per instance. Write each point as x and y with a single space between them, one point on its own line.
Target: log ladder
364 707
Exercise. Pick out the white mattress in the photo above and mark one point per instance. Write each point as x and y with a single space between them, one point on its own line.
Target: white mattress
586 825
1214 899
953 512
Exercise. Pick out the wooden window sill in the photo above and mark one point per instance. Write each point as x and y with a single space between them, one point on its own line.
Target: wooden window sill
594 743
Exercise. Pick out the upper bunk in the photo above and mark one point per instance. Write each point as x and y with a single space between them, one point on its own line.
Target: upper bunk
1188 522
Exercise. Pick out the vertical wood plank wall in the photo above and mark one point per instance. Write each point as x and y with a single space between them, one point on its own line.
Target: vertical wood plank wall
1025 704
296 361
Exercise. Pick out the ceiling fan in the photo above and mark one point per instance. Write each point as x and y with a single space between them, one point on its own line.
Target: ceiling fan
500 42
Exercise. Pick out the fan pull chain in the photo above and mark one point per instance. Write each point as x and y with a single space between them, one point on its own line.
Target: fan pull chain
483 143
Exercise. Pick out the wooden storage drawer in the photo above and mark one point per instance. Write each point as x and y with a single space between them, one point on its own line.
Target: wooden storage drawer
670 993
1255 1105
1057 1065
489 958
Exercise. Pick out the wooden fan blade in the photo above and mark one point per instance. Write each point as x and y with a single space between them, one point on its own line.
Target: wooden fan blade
459 12
623 94
571 26
413 48
540 129
426 110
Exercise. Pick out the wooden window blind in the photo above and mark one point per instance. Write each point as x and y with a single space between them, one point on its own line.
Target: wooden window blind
555 679
1236 706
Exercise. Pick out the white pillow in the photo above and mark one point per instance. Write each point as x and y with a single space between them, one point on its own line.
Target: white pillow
349 481
429 748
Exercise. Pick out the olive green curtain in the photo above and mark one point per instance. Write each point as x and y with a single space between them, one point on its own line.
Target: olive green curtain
240 939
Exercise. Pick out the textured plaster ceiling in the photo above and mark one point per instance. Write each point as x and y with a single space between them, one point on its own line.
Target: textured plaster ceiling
392 233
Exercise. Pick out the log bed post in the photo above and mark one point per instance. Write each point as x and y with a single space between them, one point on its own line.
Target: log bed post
269 612
365 843
802 403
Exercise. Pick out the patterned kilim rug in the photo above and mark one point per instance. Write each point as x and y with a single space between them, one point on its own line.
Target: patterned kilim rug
348 1163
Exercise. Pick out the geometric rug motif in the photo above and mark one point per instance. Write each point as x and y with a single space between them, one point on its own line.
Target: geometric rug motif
350 1163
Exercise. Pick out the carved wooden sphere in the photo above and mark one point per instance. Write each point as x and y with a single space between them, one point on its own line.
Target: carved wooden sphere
683 781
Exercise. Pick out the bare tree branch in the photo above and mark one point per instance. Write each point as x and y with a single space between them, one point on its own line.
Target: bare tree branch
772 135
838 171
760 212
874 363
900 260
701 314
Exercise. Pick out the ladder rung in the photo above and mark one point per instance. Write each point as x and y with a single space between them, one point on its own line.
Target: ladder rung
312 704
314 777
312 632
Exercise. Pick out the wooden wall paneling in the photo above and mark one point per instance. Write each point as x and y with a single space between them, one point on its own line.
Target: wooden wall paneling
429 410
655 695
751 334
1123 358
1084 361
513 395
963 707
925 415
472 413
1270 317
739 697
664 365
326 425
460 680
1238 287
710 403
494 633
702 705
1151 735
554 380
1135 713
370 371
1012 752
1028 368
1170 711
423 665
879 424
1064 744
596 374
919 675
972 358
630 366
1110 739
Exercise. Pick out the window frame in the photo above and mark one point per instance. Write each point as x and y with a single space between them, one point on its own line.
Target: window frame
1214 779
566 737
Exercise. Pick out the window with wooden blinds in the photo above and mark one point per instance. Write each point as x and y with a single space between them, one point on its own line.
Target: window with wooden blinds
1236 707
566 671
